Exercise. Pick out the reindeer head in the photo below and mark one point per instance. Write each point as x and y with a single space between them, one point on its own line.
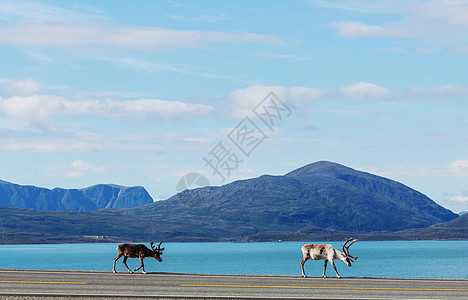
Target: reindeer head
346 257
157 252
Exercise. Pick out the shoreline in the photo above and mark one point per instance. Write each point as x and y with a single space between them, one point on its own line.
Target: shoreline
118 241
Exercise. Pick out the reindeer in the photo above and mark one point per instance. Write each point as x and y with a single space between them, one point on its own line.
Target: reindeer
328 253
140 251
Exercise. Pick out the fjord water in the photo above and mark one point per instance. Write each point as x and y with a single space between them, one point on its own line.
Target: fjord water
402 259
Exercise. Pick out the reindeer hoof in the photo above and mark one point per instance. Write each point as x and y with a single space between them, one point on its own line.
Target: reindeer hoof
303 275
145 272
114 271
131 272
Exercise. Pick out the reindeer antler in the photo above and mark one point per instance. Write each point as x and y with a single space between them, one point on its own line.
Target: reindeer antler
346 247
159 247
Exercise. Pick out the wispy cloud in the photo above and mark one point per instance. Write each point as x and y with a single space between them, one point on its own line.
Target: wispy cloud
79 168
31 10
82 141
458 168
155 67
364 6
289 57
440 23
460 198
24 87
113 36
354 29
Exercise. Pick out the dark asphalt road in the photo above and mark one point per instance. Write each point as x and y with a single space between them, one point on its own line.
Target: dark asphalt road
20 284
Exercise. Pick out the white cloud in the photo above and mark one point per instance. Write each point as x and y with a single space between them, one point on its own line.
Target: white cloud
353 29
240 103
440 23
363 91
25 87
452 12
71 35
79 168
458 166
41 107
370 92
449 90
144 107
460 198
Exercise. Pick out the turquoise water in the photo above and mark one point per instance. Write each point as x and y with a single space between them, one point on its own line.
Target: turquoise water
408 259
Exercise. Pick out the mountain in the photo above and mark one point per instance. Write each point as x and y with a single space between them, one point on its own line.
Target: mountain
323 194
87 199
393 205
321 200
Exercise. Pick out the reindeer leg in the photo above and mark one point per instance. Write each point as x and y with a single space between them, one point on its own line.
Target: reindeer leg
325 268
333 265
125 263
142 266
302 266
115 260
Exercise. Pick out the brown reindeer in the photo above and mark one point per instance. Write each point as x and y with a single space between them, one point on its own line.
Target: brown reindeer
140 251
328 253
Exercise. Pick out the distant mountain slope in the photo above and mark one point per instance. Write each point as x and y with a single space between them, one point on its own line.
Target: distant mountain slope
323 194
87 199
410 204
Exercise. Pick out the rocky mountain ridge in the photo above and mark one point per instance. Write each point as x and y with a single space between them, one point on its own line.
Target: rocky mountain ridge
86 199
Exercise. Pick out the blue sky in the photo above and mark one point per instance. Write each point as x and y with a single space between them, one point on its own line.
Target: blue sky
145 92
